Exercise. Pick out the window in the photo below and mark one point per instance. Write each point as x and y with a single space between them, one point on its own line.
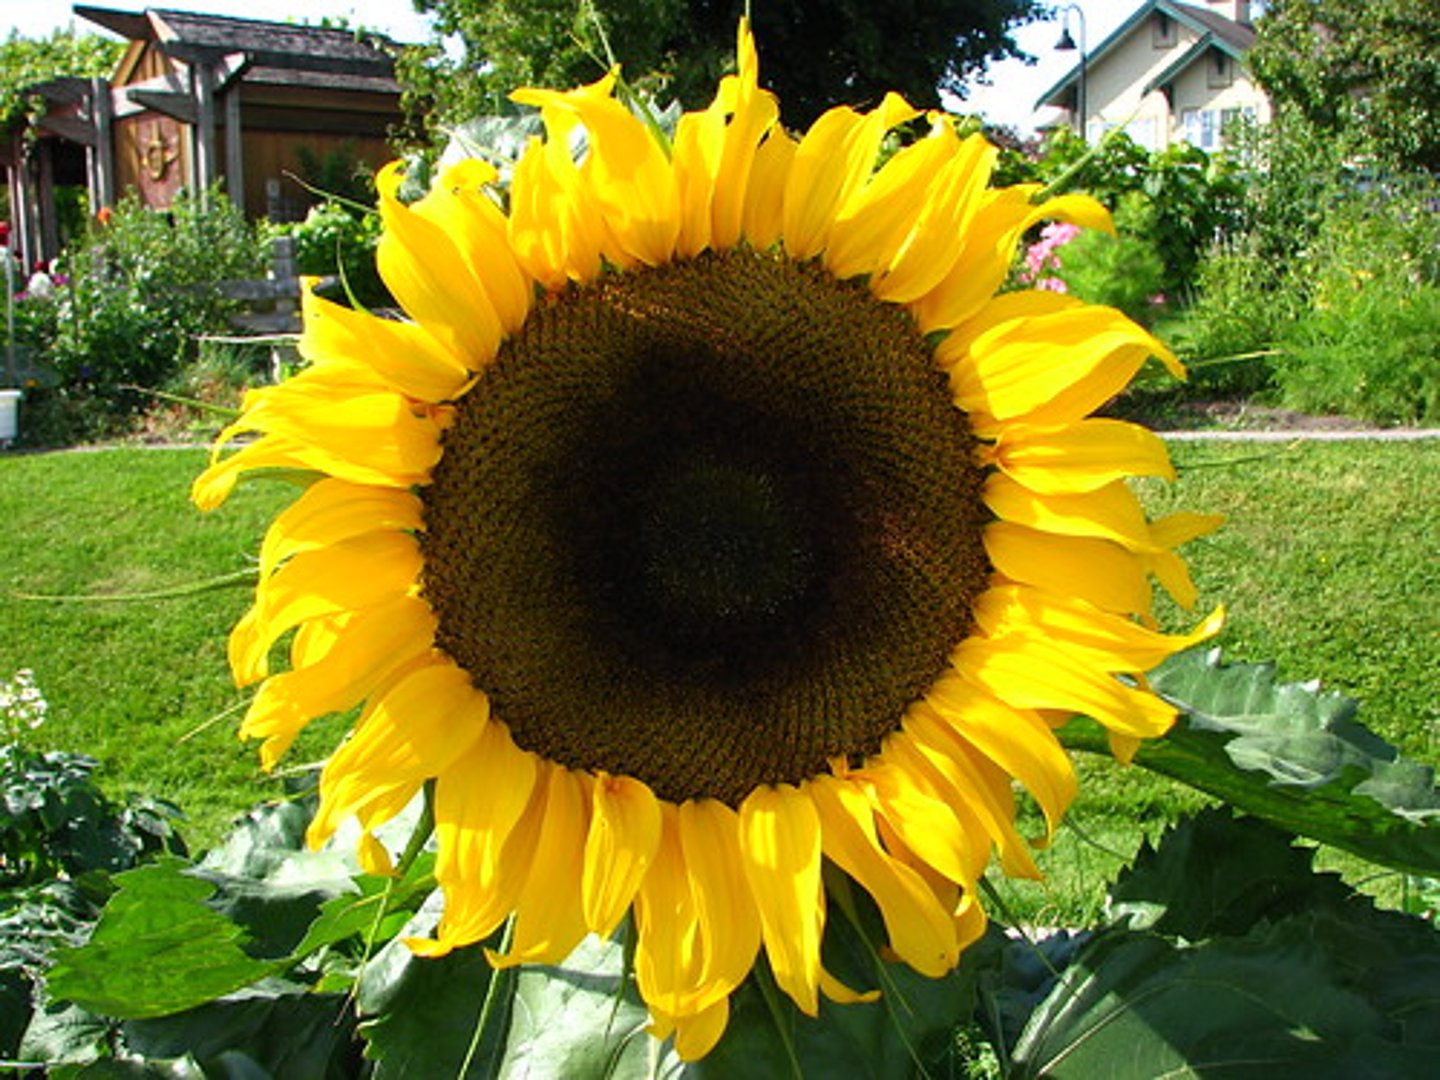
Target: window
1142 131
1206 128
1162 31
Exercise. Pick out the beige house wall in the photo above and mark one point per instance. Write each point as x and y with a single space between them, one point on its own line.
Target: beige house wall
1114 85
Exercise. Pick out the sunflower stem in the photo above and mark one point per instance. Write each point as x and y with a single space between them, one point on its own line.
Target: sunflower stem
420 834
501 982
765 981
194 403
993 896
837 885
224 581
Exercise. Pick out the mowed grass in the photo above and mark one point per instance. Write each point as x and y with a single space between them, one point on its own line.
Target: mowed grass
131 682
1329 565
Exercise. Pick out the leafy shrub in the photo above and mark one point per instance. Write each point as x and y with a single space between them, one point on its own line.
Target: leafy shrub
1374 353
339 240
1178 201
57 820
1238 309
142 288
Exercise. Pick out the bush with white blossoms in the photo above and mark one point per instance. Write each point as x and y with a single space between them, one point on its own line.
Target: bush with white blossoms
22 705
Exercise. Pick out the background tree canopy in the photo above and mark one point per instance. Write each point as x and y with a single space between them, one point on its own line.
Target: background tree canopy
25 62
813 53
1369 71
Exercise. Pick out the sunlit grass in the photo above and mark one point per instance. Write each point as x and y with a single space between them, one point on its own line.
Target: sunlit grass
1329 565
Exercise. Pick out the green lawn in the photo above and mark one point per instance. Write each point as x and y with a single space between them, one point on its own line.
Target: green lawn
1329 565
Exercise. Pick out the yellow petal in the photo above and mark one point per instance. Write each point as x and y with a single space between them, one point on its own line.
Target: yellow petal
1108 513
755 112
1030 674
833 160
332 510
458 205
764 207
487 816
624 833
875 221
1110 641
668 949
421 266
919 929
549 916
729 922
967 782
1002 215
947 838
411 732
1052 369
625 169
1017 740
780 848
555 226
372 644
929 250
349 575
696 1036
406 355
1080 457
1093 569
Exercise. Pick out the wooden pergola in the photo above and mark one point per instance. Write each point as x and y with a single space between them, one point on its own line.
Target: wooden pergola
195 99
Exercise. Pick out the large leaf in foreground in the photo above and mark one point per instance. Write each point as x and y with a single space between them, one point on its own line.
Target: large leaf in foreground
1290 972
1292 755
158 949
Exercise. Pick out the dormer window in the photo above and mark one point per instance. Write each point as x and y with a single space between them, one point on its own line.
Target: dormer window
1162 31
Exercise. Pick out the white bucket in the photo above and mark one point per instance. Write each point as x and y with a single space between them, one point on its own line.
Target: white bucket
9 415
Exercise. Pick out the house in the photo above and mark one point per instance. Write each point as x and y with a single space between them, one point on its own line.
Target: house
1170 73
196 99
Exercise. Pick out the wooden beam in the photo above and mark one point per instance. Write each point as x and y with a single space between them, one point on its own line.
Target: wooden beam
73 128
179 106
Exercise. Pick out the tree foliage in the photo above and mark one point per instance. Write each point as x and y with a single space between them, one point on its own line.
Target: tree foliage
1370 71
27 61
813 53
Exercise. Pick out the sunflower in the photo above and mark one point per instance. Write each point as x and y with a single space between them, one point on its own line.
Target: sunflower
709 518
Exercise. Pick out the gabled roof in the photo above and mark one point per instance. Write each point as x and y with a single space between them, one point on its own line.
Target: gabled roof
1216 32
259 51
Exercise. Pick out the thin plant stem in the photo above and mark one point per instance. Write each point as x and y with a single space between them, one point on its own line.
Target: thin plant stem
224 581
765 981
501 981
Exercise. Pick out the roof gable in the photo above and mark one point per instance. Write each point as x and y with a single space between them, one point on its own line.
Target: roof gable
1215 31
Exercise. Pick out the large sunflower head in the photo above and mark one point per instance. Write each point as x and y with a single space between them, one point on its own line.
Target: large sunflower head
707 517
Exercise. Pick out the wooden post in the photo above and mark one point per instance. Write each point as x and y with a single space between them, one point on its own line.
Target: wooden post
202 87
234 147
102 154
49 232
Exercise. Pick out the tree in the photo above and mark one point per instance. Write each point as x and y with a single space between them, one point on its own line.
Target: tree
813 53
1366 71
24 62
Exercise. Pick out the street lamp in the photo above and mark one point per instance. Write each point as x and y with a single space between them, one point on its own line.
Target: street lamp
1067 44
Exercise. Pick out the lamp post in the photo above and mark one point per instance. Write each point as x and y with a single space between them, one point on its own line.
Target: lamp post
1067 44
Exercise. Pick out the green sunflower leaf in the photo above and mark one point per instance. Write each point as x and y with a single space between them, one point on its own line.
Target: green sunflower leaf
157 949
1214 874
1291 973
581 1019
1291 754
419 1015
